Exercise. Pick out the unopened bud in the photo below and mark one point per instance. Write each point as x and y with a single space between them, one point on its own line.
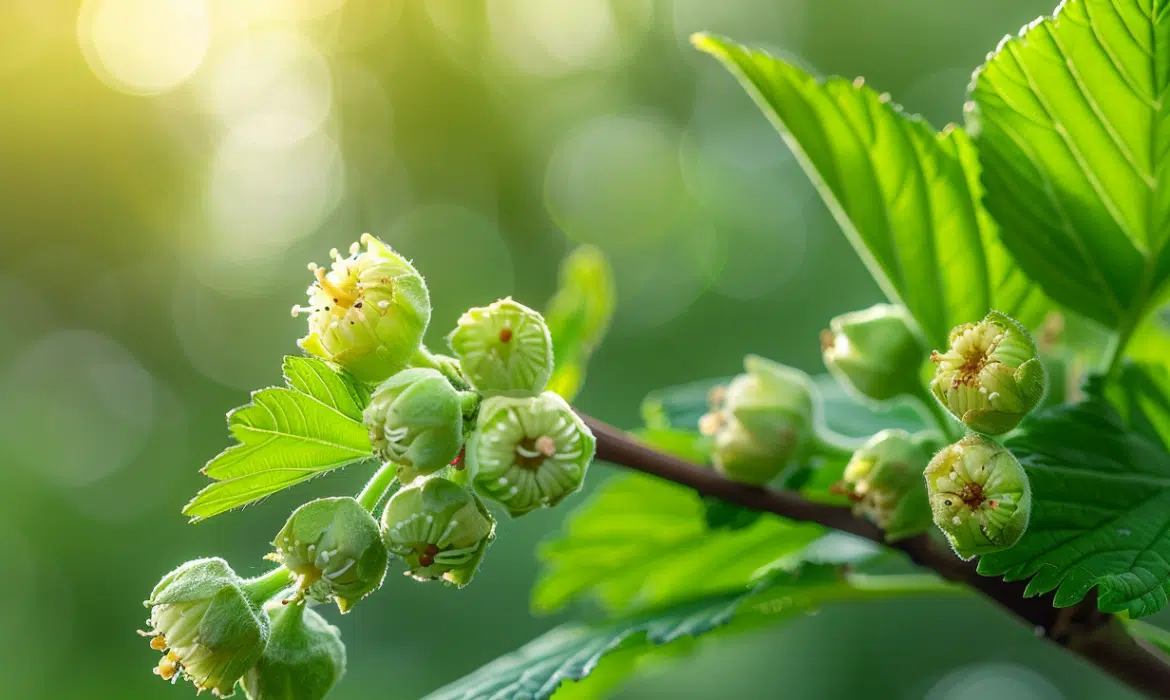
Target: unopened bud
874 352
304 658
504 348
334 548
415 420
439 528
884 481
979 495
368 312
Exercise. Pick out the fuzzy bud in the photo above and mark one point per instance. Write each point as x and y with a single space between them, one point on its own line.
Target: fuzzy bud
762 423
304 658
884 481
979 495
368 312
206 624
990 376
415 420
528 453
334 548
439 528
504 348
874 352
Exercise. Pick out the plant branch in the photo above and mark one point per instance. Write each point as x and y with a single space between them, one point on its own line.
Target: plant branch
1097 637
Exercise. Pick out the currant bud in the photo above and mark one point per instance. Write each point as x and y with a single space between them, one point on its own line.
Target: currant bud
762 423
304 658
884 481
990 376
415 420
874 352
334 548
504 348
368 312
528 453
207 626
979 495
439 528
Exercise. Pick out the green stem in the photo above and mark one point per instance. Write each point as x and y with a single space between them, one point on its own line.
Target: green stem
423 358
265 587
933 412
378 486
1115 353
469 402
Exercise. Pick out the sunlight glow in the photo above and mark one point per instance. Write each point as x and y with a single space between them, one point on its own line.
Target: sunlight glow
144 47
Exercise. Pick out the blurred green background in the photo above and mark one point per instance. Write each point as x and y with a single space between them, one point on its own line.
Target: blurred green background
168 169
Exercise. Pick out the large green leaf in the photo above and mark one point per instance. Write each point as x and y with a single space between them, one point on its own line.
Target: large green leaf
611 650
578 316
641 541
1101 511
1072 129
906 196
286 435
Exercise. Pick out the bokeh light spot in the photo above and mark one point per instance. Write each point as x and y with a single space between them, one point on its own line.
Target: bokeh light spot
144 46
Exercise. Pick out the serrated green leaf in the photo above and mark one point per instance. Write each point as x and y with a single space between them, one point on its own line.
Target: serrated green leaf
575 651
1071 124
906 196
681 407
1100 514
578 316
286 436
641 542
1141 394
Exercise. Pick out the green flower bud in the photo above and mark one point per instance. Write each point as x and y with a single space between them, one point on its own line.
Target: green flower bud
528 453
334 547
990 377
884 481
415 420
206 624
874 352
762 423
504 348
304 658
440 529
368 312
979 494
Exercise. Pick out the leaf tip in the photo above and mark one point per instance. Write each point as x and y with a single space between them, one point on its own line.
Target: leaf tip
705 42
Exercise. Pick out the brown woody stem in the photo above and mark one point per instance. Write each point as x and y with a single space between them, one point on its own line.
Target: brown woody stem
1082 629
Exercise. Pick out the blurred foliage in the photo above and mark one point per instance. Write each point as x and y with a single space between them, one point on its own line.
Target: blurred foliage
169 168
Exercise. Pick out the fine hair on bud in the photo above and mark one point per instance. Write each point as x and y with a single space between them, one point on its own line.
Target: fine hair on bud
304 659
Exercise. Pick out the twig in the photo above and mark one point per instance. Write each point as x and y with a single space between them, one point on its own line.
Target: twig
1082 629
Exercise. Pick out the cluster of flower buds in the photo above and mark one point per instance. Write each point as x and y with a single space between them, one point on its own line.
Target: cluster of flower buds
304 658
762 422
333 547
884 481
990 376
368 312
979 495
875 352
208 623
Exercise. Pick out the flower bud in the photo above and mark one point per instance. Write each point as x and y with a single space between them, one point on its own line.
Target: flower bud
874 352
979 495
989 377
528 453
762 423
439 528
415 420
209 629
504 348
334 547
304 658
368 312
884 481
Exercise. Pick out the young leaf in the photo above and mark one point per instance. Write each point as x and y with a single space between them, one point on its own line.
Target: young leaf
575 651
1100 513
578 316
642 541
286 435
1071 123
906 196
